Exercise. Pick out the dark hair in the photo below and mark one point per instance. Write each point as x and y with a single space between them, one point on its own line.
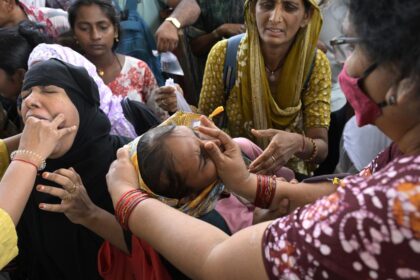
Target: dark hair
106 6
16 44
156 164
307 5
389 30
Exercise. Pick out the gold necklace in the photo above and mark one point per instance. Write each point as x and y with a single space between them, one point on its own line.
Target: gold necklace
101 71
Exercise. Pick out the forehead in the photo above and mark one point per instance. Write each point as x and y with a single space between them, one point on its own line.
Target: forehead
91 13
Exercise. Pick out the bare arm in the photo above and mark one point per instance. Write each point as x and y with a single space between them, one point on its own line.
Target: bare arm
169 230
186 12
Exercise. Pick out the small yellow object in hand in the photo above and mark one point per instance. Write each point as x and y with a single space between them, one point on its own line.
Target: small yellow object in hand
216 112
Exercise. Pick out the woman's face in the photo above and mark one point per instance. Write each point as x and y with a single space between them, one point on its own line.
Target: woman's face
10 85
94 31
379 85
278 21
45 103
191 159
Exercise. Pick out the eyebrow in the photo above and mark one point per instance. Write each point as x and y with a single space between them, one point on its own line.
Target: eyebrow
96 22
202 151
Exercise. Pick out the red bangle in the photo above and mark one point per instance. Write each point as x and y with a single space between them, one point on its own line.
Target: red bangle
126 204
26 161
266 188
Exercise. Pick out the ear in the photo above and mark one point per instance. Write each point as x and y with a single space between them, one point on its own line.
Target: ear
18 76
307 17
405 92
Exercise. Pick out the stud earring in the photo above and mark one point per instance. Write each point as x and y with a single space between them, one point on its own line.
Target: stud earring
116 39
392 100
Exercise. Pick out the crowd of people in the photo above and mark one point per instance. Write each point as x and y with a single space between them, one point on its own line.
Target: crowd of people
296 156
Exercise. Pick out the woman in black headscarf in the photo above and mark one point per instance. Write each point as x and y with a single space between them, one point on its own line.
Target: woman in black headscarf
51 246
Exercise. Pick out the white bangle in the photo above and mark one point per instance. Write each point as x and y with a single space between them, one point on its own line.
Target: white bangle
30 153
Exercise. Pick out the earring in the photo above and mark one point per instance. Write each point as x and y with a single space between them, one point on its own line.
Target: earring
116 39
392 100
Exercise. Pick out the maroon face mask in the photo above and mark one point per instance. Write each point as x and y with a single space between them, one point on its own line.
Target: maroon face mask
365 109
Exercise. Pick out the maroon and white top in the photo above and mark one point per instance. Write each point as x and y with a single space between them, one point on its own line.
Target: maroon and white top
368 229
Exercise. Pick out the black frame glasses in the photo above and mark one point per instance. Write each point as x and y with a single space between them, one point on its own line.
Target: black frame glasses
343 47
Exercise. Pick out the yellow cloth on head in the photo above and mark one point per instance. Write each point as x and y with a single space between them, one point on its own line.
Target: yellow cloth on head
261 107
201 204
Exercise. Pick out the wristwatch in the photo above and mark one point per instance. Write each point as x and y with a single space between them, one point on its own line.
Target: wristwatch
174 21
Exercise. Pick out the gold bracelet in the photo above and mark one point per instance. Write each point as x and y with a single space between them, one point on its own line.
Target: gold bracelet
314 151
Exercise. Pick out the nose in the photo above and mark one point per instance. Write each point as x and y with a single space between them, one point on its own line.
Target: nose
32 100
277 13
95 34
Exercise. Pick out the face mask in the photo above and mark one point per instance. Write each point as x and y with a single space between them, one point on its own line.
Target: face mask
365 109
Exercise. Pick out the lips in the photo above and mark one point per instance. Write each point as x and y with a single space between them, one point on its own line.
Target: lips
97 46
37 117
275 30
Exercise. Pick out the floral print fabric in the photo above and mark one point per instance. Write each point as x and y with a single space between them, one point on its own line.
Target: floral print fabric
54 21
136 81
368 229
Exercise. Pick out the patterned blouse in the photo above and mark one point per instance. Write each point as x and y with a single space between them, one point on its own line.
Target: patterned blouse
54 21
316 100
136 81
368 229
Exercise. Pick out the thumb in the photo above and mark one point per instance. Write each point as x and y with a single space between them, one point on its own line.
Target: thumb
214 152
123 153
264 133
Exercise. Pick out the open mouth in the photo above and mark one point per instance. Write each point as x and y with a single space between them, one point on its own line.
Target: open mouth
275 30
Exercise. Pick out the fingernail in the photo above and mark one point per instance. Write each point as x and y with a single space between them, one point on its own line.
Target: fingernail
40 188
45 175
42 206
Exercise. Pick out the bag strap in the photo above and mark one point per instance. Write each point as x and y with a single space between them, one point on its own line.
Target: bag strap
229 68
131 5
308 77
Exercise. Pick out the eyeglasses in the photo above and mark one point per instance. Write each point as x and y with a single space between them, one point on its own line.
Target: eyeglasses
343 47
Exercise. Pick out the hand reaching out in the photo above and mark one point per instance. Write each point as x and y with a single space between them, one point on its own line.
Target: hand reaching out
282 147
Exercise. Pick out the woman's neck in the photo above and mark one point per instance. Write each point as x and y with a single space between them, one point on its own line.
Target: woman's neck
409 143
104 61
274 57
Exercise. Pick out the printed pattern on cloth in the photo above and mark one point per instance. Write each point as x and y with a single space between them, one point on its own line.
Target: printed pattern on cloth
54 21
136 81
368 229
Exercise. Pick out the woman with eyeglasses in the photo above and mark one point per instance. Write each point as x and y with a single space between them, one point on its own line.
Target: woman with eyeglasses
365 226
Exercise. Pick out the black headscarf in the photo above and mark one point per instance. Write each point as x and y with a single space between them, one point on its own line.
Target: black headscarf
50 245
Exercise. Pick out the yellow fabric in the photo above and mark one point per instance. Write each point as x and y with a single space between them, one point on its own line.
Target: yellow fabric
4 158
206 200
8 239
251 104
